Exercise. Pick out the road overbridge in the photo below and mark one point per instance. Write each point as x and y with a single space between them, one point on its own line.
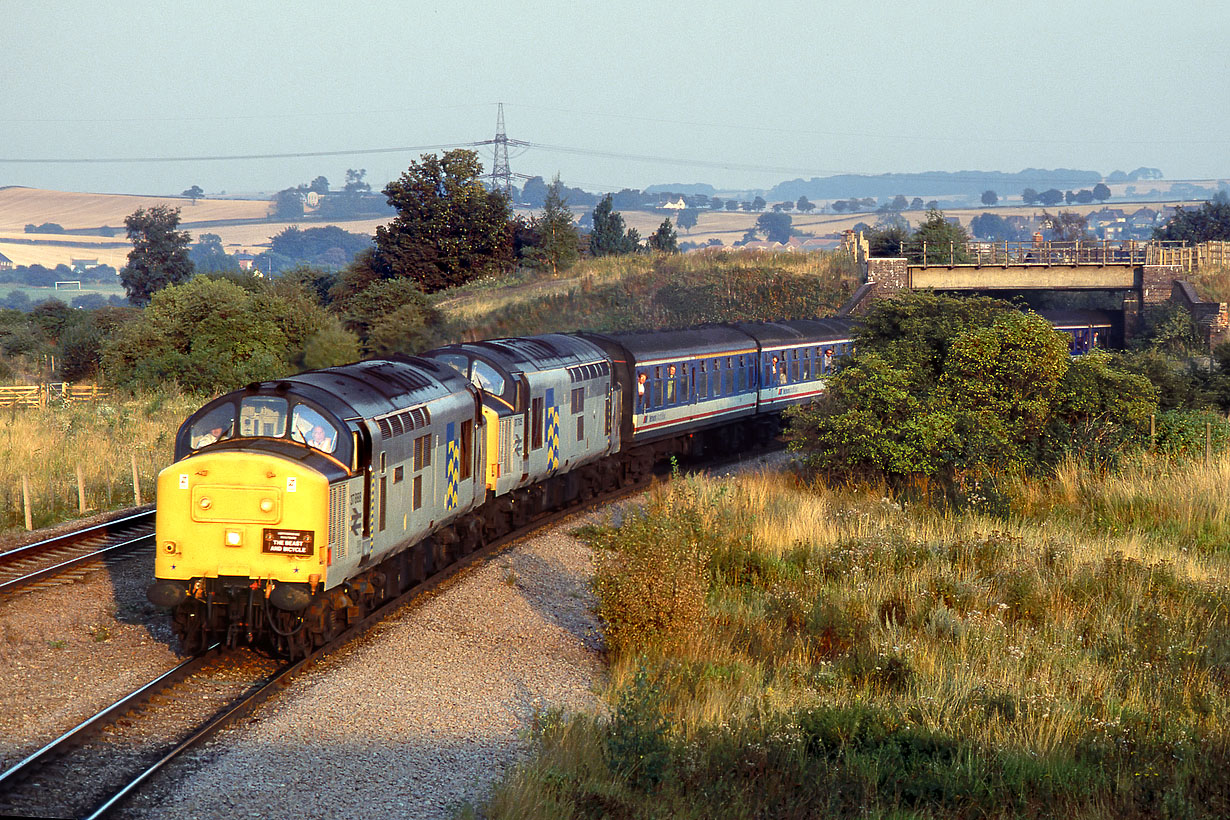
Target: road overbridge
1146 274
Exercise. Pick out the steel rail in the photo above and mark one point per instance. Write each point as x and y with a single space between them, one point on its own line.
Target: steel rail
282 677
143 516
30 551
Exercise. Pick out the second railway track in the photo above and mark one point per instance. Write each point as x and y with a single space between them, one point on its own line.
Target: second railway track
56 559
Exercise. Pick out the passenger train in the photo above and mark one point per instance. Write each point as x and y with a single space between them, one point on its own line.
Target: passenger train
295 507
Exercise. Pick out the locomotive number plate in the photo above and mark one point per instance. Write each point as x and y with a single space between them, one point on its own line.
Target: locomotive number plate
287 542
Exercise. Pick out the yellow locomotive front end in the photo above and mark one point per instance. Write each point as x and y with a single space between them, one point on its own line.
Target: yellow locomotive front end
241 536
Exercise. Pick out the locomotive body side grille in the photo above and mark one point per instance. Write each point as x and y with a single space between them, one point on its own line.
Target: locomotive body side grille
337 520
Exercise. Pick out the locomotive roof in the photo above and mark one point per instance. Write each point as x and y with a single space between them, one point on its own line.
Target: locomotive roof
531 352
371 388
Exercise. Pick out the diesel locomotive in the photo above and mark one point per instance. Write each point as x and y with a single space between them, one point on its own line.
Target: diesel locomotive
295 507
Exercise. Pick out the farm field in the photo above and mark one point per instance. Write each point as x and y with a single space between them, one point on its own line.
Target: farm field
78 211
64 294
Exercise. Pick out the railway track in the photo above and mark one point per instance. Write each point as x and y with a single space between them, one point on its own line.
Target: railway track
90 770
59 559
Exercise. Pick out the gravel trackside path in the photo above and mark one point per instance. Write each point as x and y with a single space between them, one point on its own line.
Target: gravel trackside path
420 716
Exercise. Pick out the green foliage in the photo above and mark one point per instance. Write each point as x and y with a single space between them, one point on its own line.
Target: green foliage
1210 221
159 255
636 740
391 316
888 241
329 245
775 226
941 240
210 335
554 244
608 237
449 228
664 239
947 388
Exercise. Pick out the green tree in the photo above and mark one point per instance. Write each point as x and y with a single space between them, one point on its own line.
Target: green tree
555 248
159 255
390 315
194 193
1029 196
203 335
941 241
804 205
774 226
916 204
208 255
1051 196
608 237
1211 221
989 198
953 389
449 228
687 219
758 204
1067 226
1100 192
899 203
664 239
288 204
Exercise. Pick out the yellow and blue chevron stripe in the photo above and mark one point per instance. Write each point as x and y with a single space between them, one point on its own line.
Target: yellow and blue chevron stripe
552 437
452 467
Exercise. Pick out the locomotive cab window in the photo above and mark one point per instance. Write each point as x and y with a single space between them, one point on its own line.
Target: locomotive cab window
263 416
311 428
487 377
215 425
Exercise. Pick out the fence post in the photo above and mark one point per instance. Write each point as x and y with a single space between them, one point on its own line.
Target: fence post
136 482
25 501
80 491
952 252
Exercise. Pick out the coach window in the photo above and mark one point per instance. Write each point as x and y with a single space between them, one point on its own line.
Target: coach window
702 383
730 375
263 416
794 365
215 425
657 387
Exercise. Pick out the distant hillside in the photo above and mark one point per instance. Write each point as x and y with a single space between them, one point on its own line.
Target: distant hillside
934 184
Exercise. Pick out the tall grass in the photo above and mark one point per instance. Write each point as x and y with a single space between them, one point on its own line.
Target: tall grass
48 445
851 656
646 291
1213 282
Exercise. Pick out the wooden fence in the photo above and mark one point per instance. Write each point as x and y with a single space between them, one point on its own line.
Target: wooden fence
44 395
1191 257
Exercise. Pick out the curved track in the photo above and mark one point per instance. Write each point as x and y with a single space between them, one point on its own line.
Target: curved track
48 561
90 770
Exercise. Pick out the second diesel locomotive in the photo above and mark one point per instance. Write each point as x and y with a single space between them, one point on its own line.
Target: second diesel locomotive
295 507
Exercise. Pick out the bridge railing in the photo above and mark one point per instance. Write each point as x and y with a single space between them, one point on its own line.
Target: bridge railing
1030 252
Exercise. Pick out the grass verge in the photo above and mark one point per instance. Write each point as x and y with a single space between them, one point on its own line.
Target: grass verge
785 650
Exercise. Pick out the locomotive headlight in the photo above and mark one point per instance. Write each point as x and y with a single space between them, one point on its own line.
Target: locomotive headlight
234 538
266 504
205 502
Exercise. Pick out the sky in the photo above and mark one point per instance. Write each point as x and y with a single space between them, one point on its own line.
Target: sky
610 95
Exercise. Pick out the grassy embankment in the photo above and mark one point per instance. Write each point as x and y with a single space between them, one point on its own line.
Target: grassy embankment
779 649
639 292
48 445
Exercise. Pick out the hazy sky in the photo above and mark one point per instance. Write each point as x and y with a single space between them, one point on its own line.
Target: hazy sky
623 94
